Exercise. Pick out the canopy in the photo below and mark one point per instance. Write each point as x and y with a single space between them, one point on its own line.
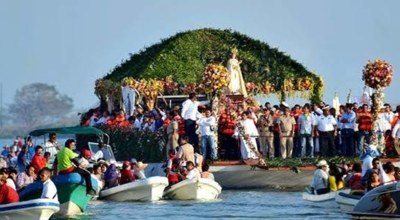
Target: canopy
67 130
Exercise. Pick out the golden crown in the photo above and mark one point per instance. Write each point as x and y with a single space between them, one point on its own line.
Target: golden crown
234 50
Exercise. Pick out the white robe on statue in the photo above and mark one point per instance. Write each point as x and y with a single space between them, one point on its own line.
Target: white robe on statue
236 82
128 97
245 149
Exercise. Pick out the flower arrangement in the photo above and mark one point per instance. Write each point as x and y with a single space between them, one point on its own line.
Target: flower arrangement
188 88
170 86
377 73
107 87
305 84
267 87
214 78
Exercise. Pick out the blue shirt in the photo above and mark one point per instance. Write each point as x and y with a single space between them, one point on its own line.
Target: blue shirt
351 118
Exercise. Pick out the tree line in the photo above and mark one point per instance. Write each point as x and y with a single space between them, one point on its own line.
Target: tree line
34 106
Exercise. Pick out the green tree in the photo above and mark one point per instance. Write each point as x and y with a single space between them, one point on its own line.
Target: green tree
39 104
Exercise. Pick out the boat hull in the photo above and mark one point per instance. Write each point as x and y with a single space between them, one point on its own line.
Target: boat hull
345 201
381 202
37 209
318 198
71 190
201 189
150 189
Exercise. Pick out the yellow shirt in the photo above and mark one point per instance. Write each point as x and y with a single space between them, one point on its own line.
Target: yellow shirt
332 184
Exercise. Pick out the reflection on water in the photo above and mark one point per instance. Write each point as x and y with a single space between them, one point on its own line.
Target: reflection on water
231 205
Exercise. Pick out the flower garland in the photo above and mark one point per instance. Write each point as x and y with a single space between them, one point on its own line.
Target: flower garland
267 87
248 141
252 88
377 73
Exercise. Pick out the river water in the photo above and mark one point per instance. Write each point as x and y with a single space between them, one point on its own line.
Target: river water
232 204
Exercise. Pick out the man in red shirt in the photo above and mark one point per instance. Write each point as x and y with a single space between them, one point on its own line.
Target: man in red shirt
364 119
38 161
7 194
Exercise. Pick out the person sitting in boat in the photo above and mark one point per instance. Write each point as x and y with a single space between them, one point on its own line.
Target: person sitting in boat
84 158
12 178
374 181
111 176
126 173
172 168
98 174
49 188
335 179
191 172
139 170
206 173
375 168
27 177
198 161
389 170
355 182
185 150
5 172
38 161
99 154
66 159
7 194
319 183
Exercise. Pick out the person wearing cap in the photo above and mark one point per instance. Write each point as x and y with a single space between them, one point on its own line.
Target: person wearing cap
286 133
139 170
49 188
325 130
264 125
347 121
319 182
364 119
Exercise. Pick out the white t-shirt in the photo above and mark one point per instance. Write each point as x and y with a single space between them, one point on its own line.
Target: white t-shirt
49 190
11 184
193 174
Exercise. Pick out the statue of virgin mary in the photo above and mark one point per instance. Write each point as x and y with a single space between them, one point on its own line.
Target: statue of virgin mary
236 83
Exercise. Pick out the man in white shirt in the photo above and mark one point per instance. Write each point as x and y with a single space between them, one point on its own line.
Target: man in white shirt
326 131
306 124
189 114
52 146
49 189
99 154
207 125
348 121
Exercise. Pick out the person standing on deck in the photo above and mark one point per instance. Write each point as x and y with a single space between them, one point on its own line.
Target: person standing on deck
190 114
52 146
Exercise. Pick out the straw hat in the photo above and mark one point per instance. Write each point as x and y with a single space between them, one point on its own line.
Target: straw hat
141 166
322 163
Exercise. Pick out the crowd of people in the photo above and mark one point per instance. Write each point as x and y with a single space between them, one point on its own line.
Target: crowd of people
359 178
279 131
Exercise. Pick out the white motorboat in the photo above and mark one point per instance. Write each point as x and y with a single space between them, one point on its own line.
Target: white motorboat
194 189
380 203
149 189
309 196
40 209
346 201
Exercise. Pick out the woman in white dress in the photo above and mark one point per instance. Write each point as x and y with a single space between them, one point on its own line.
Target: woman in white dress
247 132
236 83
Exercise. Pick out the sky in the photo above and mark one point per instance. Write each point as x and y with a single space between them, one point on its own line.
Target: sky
70 44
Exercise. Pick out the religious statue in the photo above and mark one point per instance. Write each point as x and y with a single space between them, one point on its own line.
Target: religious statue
236 83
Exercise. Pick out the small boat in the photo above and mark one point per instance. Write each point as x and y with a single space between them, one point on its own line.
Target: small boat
382 202
309 196
40 209
71 190
346 200
194 189
149 189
